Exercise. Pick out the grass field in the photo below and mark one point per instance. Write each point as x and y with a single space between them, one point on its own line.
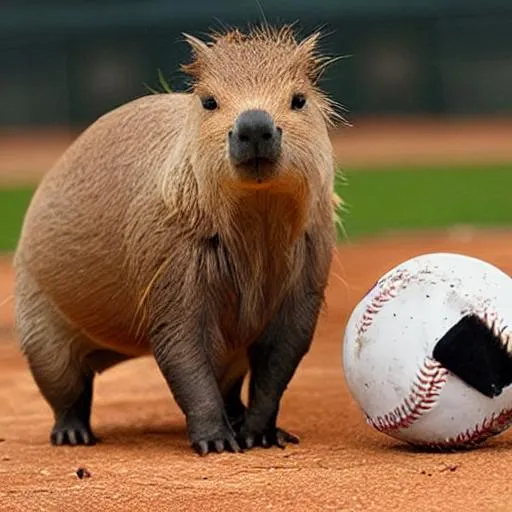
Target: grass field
380 200
13 203
377 200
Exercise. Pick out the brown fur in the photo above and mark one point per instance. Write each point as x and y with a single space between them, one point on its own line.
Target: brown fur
143 225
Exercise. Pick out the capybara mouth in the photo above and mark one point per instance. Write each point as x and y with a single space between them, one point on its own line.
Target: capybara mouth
257 169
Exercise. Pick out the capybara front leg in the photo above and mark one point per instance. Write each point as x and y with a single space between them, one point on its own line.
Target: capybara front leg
191 379
274 359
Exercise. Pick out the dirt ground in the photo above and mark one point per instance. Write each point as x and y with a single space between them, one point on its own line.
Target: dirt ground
144 462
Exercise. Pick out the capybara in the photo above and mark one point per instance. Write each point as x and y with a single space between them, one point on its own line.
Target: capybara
195 226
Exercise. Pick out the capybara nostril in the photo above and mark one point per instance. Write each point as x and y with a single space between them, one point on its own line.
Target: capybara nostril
255 137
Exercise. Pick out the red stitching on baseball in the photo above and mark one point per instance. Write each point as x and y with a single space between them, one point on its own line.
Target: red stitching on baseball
421 398
490 426
389 288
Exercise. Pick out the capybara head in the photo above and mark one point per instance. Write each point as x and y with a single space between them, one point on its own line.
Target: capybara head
258 117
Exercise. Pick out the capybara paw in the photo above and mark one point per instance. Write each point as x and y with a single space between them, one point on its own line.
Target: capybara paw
224 441
270 437
72 433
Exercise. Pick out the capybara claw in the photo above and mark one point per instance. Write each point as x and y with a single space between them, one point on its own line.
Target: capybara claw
74 434
204 447
282 438
271 437
201 447
247 441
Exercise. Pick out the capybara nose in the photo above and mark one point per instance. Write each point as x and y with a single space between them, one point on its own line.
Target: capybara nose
254 137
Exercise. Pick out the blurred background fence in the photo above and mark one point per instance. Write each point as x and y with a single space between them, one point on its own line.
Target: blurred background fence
65 62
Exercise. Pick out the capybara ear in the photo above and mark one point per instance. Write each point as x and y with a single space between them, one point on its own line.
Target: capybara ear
200 50
308 56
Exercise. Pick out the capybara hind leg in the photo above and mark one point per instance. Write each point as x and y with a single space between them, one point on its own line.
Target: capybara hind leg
72 424
56 358
64 381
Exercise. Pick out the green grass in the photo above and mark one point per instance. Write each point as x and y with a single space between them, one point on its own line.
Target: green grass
13 203
382 200
376 200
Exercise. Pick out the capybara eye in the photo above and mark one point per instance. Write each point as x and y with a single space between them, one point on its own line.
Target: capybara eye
298 101
209 103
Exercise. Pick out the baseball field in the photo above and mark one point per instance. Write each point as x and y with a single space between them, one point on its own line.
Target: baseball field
409 188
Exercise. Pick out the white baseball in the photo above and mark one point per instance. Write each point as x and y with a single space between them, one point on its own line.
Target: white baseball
388 345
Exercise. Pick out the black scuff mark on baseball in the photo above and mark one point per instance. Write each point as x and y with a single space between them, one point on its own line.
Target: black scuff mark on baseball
472 352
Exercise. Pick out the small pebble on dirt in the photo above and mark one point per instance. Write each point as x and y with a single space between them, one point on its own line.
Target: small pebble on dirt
5 458
2 440
82 473
449 467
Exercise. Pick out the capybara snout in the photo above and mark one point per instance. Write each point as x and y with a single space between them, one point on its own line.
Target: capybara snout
254 138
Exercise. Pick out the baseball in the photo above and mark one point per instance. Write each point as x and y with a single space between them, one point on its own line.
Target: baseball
426 351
